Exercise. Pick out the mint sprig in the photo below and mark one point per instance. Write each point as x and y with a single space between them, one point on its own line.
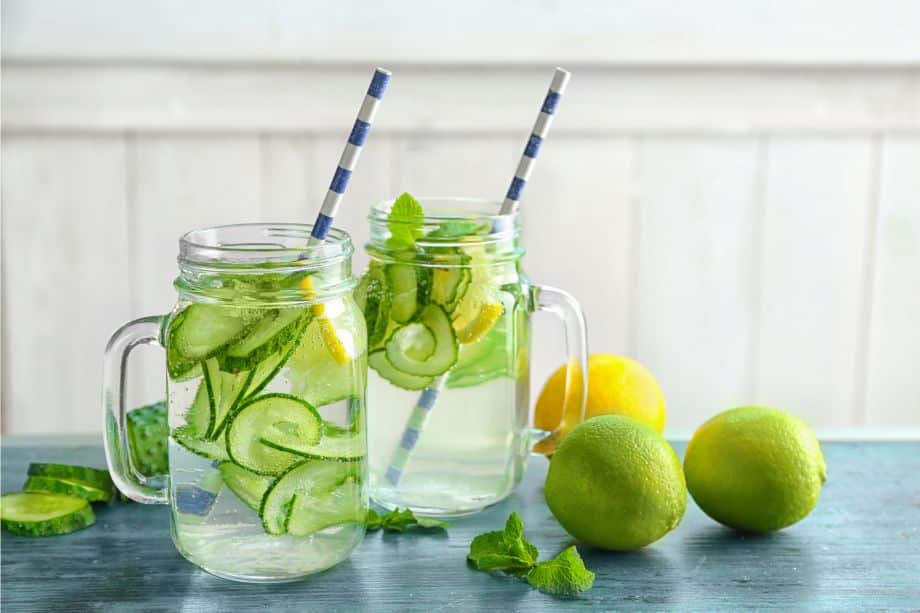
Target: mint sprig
405 220
509 552
400 521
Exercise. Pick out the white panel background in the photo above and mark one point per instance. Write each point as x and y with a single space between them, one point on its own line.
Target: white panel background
738 207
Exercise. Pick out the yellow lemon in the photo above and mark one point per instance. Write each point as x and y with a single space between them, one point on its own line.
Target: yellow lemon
616 386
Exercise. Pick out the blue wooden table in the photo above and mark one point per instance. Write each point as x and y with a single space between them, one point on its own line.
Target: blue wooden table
859 550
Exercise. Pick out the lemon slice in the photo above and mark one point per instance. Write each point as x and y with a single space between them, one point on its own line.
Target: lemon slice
327 331
481 324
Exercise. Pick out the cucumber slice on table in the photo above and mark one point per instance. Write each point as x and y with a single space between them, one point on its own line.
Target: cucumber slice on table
97 477
270 416
444 356
41 514
410 286
379 362
70 487
277 328
305 498
247 485
200 331
147 436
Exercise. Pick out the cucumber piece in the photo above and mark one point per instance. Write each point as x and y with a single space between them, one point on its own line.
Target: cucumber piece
96 477
448 285
212 449
342 446
490 357
199 419
270 416
310 481
201 331
410 286
436 320
267 369
41 514
466 279
70 487
276 329
227 391
310 514
415 341
373 298
148 432
379 362
247 485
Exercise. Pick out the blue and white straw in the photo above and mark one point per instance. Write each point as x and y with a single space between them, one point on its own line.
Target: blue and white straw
350 155
429 396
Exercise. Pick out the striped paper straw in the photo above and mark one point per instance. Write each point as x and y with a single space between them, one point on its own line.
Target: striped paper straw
429 396
350 155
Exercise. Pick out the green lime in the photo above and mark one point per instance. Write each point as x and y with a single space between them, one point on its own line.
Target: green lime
615 483
755 469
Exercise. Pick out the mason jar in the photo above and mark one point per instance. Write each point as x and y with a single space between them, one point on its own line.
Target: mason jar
266 364
448 310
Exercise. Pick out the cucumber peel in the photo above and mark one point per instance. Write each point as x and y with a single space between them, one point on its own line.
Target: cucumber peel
96 477
69 487
301 491
446 349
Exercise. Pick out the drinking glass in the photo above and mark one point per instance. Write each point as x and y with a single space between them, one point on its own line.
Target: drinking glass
266 363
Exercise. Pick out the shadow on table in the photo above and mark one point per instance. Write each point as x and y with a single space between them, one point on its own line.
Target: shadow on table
740 566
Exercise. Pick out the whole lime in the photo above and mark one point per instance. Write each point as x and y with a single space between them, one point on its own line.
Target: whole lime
615 483
755 468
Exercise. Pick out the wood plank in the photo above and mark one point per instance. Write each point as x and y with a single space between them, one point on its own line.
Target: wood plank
577 215
180 184
893 384
851 554
694 300
456 99
653 32
816 210
66 270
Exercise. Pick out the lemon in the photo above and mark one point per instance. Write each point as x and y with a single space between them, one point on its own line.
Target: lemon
615 483
481 324
755 469
333 344
616 385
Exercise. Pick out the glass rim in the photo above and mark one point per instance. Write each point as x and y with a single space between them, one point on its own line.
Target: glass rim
478 208
284 244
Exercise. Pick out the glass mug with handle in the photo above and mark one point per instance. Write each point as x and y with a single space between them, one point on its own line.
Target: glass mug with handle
266 362
448 311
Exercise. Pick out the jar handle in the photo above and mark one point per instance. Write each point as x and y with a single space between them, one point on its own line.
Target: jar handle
144 331
564 306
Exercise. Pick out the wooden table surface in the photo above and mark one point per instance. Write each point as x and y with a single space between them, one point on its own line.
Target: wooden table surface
859 550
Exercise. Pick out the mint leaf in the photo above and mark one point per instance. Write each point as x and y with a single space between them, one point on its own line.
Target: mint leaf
564 575
405 220
506 550
400 521
457 228
373 521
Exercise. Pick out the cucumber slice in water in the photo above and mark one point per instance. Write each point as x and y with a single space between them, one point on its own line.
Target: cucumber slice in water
95 477
70 487
201 331
306 488
40 514
270 416
345 446
212 449
379 362
276 329
435 319
415 341
410 286
317 377
448 285
263 374
247 485
311 514
226 392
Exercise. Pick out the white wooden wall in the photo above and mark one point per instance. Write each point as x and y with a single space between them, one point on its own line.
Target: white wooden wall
746 202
